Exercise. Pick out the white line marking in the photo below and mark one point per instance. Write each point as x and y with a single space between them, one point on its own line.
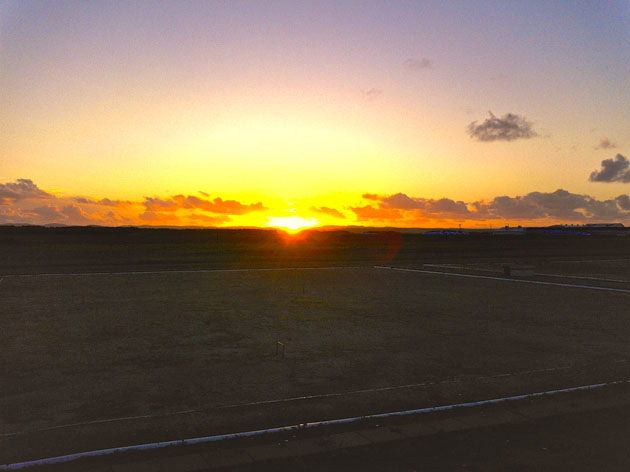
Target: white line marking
446 266
536 282
463 267
591 260
584 278
191 271
297 427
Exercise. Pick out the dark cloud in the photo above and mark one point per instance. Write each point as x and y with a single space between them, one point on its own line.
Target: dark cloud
559 205
446 207
401 207
371 196
507 128
606 143
417 64
190 202
49 212
613 170
328 211
67 214
75 215
443 207
623 201
402 202
508 207
22 189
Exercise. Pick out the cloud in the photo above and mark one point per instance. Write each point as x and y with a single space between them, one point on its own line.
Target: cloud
371 196
75 215
417 64
49 212
613 170
443 207
557 206
507 128
402 202
446 207
23 202
67 214
401 208
190 202
328 211
369 212
606 143
22 189
102 201
372 94
623 201
213 220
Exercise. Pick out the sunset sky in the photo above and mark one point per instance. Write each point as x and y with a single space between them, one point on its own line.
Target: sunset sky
376 113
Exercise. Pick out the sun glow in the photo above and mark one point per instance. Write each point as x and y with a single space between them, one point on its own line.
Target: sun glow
292 223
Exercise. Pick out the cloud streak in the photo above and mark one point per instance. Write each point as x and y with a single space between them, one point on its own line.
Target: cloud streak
413 64
509 127
372 94
606 143
328 211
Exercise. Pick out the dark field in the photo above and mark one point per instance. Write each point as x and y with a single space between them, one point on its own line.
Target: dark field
84 347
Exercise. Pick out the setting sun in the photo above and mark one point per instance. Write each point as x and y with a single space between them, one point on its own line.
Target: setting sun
292 223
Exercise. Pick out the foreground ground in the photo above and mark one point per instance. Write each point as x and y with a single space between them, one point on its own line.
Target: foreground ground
104 356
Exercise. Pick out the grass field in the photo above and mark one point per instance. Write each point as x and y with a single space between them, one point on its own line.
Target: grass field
83 348
92 347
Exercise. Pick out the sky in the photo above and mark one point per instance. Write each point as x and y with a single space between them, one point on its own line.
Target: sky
283 113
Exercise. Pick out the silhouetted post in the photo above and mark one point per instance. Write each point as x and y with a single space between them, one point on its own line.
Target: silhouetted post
279 348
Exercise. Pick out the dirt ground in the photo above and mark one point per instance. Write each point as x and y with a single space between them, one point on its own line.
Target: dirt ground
96 347
595 440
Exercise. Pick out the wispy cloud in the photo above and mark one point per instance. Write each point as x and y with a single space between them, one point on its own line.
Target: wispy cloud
328 211
509 127
613 170
606 143
414 64
372 94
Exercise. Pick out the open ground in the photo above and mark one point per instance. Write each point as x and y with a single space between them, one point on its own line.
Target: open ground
94 359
